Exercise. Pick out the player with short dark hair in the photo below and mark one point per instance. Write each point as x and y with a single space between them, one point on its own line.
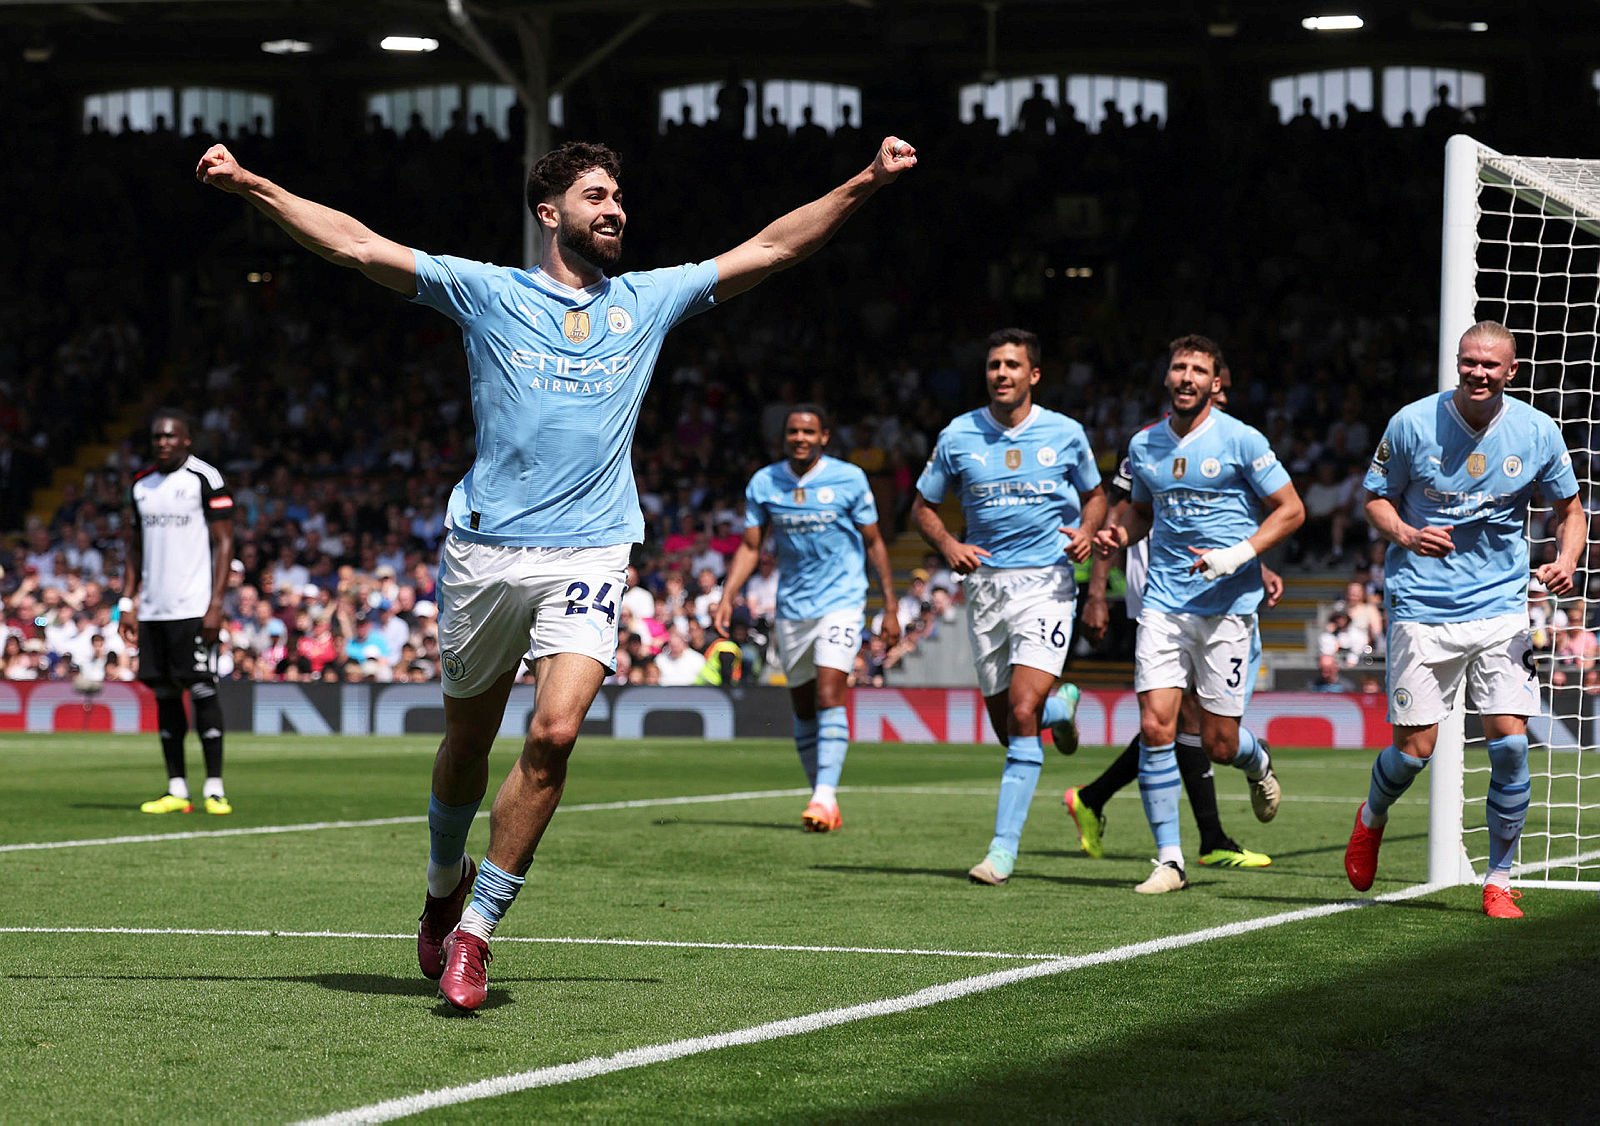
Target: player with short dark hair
541 526
1201 482
1086 804
180 548
820 518
1030 491
1449 487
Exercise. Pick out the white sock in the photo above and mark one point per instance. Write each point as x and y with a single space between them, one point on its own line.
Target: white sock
474 923
827 795
177 787
1173 853
214 788
1498 879
444 878
1373 820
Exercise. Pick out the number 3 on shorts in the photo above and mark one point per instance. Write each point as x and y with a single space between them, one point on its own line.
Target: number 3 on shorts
578 595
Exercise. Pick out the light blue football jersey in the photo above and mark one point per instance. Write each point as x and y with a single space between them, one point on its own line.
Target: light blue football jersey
1205 491
1017 487
558 376
1437 470
816 523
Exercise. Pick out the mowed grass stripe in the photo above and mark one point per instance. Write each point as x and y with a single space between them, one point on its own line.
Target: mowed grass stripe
589 807
780 948
406 1106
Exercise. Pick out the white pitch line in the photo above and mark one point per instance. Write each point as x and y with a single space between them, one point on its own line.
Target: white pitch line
405 1106
589 807
199 932
416 819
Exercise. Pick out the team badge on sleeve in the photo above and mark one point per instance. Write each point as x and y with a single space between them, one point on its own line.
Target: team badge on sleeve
1383 454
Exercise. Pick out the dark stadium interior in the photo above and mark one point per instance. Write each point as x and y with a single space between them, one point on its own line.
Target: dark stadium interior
1309 249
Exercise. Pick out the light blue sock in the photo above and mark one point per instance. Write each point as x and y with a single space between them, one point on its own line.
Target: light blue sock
1024 760
448 826
492 895
1509 793
1252 757
1159 785
1393 771
805 741
833 740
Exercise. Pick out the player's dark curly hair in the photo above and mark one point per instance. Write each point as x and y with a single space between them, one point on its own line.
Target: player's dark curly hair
557 170
1206 346
808 408
1028 340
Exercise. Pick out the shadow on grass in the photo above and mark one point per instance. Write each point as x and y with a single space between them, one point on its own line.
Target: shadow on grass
781 826
1393 1028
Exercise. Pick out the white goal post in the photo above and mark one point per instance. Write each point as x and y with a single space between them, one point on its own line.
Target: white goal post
1522 246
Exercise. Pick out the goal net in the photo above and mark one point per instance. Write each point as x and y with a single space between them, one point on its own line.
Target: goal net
1522 246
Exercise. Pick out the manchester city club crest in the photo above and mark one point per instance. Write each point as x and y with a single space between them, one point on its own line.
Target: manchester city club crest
1047 457
1512 466
1179 466
1477 465
454 667
1210 467
618 320
1402 698
1013 459
824 495
575 326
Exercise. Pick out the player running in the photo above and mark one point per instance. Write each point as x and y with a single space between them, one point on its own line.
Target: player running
1449 487
1086 804
1201 480
819 515
1025 476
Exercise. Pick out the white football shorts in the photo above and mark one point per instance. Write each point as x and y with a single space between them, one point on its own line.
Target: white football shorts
1020 616
499 606
1428 661
1216 655
831 642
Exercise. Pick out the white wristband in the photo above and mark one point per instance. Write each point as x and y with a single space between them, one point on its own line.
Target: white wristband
124 605
1226 560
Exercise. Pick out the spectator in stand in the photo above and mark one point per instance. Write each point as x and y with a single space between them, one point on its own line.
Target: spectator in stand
1577 653
915 598
1329 678
678 663
1329 501
708 593
761 592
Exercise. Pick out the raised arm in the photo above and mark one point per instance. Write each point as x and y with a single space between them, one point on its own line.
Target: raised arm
325 232
799 234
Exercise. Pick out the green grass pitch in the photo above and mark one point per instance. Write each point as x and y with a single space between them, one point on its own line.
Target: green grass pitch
270 976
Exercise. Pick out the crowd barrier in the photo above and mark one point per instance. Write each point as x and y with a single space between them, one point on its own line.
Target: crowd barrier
889 715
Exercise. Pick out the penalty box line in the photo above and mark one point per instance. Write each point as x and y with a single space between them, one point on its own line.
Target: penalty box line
594 1066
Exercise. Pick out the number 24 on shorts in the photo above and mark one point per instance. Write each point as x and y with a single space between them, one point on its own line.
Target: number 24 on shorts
578 594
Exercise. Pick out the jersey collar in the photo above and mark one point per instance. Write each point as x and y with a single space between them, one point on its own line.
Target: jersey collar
1475 435
989 421
1193 434
560 289
809 474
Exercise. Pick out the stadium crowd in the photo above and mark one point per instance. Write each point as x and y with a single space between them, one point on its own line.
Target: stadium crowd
340 417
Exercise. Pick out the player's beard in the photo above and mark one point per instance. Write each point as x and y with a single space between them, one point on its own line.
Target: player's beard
1185 414
582 242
